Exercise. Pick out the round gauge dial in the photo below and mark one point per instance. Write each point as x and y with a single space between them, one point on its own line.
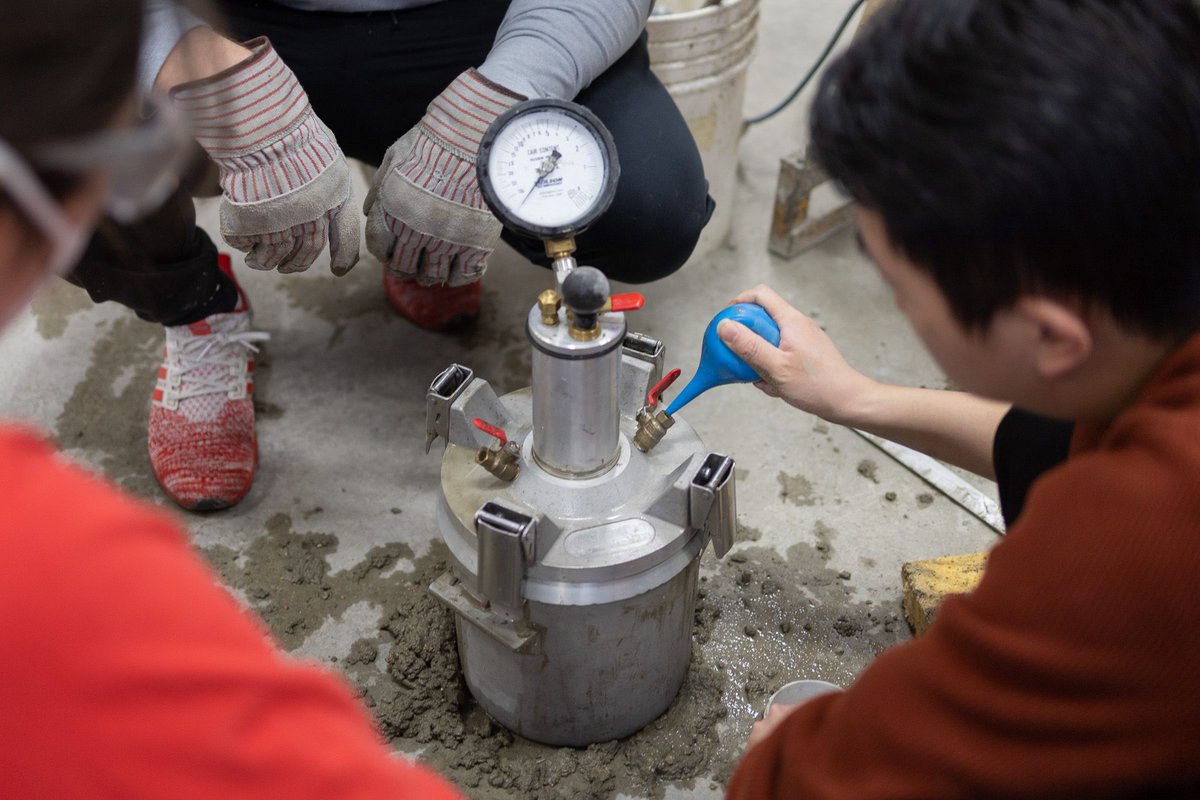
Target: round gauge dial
547 168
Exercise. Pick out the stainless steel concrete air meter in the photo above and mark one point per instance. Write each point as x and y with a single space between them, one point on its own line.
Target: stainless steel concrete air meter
574 554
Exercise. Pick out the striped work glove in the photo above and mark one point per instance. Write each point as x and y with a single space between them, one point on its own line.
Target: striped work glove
425 216
286 182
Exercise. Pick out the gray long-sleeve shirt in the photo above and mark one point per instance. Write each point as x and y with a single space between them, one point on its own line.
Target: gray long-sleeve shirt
544 48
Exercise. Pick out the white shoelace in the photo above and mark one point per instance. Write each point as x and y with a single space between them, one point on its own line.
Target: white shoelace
214 350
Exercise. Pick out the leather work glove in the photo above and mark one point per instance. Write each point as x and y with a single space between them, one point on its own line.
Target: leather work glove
286 182
426 218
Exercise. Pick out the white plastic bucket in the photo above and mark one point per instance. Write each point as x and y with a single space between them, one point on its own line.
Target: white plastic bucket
701 56
797 692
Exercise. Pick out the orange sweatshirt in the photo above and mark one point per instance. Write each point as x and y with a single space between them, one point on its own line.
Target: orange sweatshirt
1073 670
127 672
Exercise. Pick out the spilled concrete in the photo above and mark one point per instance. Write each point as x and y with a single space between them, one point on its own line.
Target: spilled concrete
285 576
796 489
55 306
761 621
104 418
765 620
869 470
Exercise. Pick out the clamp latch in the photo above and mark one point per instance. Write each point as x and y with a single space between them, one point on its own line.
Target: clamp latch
505 539
712 501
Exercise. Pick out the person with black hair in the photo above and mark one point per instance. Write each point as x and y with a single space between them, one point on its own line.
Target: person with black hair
128 671
1027 174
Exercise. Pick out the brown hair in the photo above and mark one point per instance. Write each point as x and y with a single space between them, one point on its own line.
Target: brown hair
67 67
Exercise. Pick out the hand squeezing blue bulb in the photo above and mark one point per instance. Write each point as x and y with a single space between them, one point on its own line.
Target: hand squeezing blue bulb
720 365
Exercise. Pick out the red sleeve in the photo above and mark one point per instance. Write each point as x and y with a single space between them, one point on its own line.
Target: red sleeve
129 672
1069 672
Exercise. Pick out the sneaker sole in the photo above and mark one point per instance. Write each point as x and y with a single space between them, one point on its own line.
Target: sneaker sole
213 503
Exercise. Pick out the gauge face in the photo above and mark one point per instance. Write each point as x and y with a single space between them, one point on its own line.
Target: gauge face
547 168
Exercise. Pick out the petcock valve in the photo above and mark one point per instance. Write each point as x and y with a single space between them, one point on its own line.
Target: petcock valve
503 461
653 426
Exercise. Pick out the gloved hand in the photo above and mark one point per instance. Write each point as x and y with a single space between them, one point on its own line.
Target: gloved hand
286 182
425 216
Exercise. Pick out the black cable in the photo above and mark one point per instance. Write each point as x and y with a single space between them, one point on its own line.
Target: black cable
811 72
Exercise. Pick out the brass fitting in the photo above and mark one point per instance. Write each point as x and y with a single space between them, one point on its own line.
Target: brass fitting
503 462
559 248
651 428
583 334
549 302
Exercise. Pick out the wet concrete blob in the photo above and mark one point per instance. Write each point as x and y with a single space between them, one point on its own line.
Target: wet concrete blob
54 307
796 489
760 621
869 470
104 419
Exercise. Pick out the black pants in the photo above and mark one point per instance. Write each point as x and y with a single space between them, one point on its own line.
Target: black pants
369 77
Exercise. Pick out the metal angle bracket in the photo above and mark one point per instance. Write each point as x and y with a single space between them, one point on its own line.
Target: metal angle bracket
513 634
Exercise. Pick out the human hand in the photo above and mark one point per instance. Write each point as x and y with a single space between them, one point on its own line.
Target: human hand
426 218
806 369
286 183
776 714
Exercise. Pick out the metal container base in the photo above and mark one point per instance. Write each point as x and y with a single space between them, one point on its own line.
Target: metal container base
602 672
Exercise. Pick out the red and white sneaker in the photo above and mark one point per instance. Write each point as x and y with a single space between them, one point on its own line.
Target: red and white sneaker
435 308
202 442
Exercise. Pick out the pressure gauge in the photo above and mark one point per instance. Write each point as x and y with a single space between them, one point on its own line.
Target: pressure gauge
547 168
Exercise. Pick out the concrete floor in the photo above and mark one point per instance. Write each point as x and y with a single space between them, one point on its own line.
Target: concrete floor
341 391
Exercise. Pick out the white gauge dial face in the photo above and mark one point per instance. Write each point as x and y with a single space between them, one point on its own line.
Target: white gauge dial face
547 168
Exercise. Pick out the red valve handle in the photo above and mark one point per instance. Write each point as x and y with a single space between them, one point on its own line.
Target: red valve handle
653 397
491 430
631 301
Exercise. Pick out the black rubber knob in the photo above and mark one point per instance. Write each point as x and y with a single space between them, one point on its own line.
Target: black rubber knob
585 291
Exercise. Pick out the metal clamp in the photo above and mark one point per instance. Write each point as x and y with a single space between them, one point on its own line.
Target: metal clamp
641 368
442 393
712 501
644 348
455 398
505 539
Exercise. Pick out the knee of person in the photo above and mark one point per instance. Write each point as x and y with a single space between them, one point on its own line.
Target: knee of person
661 243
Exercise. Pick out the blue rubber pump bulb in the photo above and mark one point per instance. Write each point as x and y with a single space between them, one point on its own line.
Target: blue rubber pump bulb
718 364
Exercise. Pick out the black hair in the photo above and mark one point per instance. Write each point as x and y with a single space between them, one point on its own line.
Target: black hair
68 66
1020 147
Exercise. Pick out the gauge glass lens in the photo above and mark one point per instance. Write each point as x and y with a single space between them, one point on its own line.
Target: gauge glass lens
548 168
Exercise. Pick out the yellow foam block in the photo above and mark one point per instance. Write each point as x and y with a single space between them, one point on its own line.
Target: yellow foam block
927 583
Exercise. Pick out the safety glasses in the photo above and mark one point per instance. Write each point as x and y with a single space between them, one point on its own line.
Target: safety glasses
142 163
